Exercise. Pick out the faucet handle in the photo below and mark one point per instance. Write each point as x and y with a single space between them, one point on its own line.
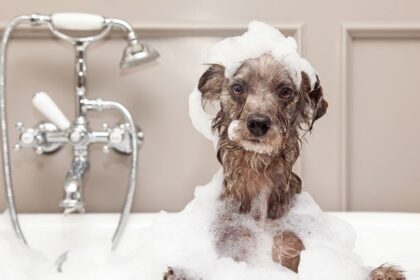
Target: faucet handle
21 128
37 138
46 106
27 138
119 138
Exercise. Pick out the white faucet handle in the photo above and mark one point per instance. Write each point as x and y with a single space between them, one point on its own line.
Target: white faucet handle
46 106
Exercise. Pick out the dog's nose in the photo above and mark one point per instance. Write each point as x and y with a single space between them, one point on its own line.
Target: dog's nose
258 124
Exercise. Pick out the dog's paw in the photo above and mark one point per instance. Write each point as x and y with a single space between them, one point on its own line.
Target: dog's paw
179 274
387 272
286 250
169 274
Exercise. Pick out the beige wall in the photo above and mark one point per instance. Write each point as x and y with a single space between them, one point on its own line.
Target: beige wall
364 155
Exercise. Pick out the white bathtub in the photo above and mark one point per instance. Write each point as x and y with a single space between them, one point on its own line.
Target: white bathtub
382 237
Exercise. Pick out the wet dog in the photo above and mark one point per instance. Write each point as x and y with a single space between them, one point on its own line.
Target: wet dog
262 118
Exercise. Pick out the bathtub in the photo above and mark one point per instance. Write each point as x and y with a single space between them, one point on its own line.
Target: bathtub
381 237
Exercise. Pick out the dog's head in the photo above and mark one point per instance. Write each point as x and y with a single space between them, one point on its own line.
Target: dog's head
261 107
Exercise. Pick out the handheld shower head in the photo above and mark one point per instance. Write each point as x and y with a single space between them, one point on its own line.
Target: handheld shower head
136 54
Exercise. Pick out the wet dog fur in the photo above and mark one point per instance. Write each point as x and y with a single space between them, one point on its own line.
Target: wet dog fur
263 115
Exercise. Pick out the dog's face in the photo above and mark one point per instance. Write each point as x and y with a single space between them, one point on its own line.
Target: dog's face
261 107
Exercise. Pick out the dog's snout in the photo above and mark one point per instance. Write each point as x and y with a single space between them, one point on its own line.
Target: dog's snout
258 124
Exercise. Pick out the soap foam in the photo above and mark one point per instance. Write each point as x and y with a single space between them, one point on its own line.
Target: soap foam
185 239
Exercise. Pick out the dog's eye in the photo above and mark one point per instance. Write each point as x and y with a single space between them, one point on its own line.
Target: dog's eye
237 89
285 92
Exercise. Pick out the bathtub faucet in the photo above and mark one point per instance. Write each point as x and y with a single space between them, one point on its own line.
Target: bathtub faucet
49 136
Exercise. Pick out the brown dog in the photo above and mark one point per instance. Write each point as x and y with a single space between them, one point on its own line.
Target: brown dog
261 119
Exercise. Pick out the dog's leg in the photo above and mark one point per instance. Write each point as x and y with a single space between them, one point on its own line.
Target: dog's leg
387 272
234 241
286 250
179 274
281 197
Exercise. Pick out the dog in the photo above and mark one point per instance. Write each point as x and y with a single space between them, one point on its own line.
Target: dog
262 118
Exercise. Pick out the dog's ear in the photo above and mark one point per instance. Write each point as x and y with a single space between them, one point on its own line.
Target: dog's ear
211 82
316 97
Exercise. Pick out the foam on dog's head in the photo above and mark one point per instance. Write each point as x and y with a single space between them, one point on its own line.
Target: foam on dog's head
232 52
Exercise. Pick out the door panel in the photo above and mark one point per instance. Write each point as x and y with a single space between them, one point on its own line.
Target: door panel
384 125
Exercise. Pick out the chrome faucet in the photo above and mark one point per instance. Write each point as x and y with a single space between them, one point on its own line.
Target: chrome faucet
51 135
73 200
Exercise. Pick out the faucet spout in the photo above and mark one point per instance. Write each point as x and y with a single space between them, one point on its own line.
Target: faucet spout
73 199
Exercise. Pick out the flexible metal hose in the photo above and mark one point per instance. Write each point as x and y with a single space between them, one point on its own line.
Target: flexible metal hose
125 212
7 174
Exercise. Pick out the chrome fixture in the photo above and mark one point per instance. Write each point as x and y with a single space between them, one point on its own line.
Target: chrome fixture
136 54
51 135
